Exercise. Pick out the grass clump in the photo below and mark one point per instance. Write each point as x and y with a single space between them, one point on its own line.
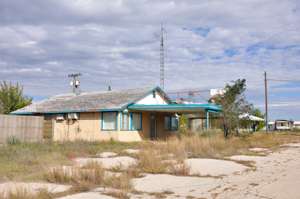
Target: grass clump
22 193
29 161
88 176
217 146
168 156
151 161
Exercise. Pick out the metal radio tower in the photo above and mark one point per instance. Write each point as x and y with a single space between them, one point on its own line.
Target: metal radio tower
162 59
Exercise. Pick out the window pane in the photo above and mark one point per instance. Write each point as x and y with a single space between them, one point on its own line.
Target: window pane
109 121
136 121
125 121
174 123
167 123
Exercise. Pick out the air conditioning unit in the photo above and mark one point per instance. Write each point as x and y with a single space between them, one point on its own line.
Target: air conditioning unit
73 116
60 117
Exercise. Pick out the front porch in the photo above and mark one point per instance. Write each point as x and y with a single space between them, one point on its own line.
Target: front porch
161 121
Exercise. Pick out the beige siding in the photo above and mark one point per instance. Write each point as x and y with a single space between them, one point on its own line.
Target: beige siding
88 128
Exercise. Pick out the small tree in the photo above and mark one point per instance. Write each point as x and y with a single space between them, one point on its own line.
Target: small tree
233 104
183 124
12 97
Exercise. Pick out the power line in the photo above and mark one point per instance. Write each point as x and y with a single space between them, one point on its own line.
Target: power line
284 80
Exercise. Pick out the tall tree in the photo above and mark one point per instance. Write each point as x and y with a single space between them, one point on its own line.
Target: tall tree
12 97
233 104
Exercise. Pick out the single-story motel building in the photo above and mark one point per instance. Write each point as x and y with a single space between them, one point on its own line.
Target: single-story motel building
126 115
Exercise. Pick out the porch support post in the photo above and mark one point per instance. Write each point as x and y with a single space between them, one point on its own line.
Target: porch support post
207 119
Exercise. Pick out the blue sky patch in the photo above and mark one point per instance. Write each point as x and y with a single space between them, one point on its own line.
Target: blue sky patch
202 31
231 52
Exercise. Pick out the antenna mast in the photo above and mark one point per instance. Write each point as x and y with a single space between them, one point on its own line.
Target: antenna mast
75 83
162 58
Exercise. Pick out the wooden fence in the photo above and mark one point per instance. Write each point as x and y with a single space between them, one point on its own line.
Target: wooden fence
23 128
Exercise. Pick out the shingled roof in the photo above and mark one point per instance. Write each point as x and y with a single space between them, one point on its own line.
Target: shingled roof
87 102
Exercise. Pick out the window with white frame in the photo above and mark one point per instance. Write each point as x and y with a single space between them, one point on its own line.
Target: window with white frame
131 121
171 123
109 120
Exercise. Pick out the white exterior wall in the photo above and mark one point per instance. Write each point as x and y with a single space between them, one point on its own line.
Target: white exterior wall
150 100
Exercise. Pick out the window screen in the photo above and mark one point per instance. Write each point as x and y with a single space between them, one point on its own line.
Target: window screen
109 121
136 121
174 123
171 123
125 121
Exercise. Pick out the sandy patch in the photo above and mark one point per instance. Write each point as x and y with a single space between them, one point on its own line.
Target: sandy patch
291 145
132 151
179 185
213 167
124 162
277 176
87 195
247 158
33 187
260 150
106 154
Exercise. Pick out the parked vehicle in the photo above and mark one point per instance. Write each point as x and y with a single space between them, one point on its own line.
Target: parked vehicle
296 125
283 125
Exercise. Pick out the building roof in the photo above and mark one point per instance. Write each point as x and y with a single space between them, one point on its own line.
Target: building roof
247 116
88 102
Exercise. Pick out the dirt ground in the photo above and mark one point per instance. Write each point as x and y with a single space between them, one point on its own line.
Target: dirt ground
275 175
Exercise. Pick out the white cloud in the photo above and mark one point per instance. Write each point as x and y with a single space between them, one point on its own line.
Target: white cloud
117 43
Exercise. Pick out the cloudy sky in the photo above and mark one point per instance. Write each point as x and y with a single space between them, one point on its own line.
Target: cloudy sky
116 42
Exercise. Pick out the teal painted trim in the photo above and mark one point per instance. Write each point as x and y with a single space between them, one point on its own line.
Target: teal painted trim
210 107
141 122
101 121
67 111
212 111
121 121
207 119
130 121
108 110
24 113
116 125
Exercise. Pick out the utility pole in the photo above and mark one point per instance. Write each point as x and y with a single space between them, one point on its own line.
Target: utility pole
75 83
162 58
266 101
